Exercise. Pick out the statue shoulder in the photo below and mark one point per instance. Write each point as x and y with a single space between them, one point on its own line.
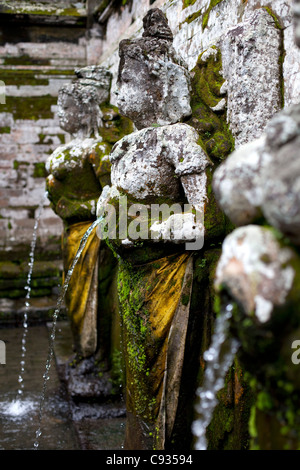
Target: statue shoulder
182 149
71 155
58 158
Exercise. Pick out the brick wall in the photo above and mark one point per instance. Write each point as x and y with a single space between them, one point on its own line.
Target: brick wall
41 43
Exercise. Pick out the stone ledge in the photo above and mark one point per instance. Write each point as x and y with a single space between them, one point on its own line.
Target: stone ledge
41 269
40 311
36 8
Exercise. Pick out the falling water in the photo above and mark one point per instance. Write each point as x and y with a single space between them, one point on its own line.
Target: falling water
219 358
17 406
64 289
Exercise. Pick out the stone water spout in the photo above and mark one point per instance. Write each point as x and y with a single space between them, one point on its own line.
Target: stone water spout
160 164
78 171
258 188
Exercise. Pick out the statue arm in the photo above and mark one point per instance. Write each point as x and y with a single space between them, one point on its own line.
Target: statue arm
74 211
99 159
195 188
188 226
191 165
67 208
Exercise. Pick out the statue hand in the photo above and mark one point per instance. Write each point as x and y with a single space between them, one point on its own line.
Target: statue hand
178 228
72 209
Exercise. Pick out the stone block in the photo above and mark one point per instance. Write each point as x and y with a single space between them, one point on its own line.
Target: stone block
251 56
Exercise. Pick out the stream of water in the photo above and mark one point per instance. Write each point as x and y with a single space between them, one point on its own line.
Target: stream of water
18 414
46 375
19 418
28 406
219 357
16 405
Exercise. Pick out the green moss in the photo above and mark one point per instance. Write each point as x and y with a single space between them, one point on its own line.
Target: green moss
207 80
228 429
41 137
31 108
117 374
191 18
62 138
17 164
202 263
213 3
118 127
39 170
22 77
36 8
187 3
25 59
264 401
135 319
217 305
30 76
5 130
271 13
252 423
9 270
72 12
185 299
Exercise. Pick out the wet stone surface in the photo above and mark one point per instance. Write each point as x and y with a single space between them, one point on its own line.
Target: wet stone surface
66 425
17 431
97 416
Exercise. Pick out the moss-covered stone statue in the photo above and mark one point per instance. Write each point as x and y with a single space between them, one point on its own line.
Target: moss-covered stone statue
259 271
160 167
78 171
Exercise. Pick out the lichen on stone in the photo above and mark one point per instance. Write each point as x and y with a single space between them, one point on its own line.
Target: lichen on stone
213 3
207 93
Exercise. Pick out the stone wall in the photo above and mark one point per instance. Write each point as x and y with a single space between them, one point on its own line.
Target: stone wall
40 49
41 43
206 23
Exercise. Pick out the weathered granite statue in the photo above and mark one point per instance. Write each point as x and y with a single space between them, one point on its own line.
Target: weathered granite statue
161 164
259 270
78 171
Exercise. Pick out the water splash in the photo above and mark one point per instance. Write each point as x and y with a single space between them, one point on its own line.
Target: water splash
17 408
61 297
219 357
27 297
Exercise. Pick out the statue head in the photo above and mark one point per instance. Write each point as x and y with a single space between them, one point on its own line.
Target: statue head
297 21
153 82
156 25
79 102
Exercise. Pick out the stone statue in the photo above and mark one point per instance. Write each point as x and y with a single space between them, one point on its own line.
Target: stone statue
161 164
78 170
259 268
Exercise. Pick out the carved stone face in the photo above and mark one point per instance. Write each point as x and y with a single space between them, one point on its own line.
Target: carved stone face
154 90
297 21
78 110
68 113
154 83
135 100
